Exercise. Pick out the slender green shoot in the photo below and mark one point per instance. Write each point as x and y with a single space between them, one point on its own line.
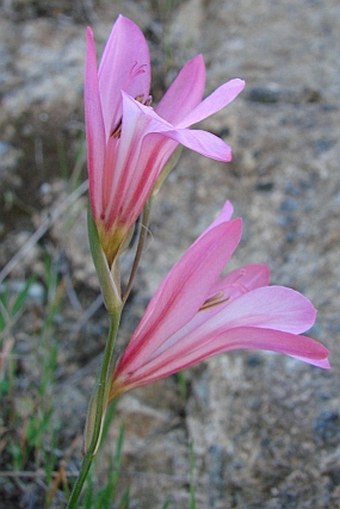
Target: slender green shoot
192 462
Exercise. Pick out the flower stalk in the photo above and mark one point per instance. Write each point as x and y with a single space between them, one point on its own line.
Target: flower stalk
97 412
110 286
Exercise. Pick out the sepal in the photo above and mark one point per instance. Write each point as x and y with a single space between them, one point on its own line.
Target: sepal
109 282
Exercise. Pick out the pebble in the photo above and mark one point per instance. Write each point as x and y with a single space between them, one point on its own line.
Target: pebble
327 427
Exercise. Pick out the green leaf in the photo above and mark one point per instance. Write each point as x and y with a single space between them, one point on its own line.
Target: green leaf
20 300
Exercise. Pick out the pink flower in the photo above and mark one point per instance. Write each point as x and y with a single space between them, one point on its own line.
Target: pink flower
197 313
128 142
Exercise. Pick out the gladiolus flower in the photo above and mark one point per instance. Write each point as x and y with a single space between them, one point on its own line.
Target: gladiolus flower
197 313
129 142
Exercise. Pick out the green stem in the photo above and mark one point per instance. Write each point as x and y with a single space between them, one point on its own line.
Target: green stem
101 404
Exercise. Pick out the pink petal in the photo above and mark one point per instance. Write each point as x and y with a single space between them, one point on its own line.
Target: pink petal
139 158
224 215
203 142
109 179
182 292
200 317
142 153
252 338
185 92
95 133
125 65
220 98
265 307
155 152
243 280
239 282
271 307
137 123
226 289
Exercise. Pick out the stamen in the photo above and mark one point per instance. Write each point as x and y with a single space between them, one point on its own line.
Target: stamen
214 301
147 101
117 131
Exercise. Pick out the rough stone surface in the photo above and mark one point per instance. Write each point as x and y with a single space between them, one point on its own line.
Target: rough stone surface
264 429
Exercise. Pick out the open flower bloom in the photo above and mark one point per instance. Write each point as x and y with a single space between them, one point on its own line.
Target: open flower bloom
128 142
197 313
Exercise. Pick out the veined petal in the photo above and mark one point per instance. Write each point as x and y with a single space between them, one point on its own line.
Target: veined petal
185 92
227 288
220 98
125 66
138 159
134 126
95 133
142 154
242 338
155 152
253 338
203 142
182 292
243 280
231 286
271 307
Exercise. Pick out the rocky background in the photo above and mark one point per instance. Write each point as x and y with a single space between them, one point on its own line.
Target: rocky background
264 431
